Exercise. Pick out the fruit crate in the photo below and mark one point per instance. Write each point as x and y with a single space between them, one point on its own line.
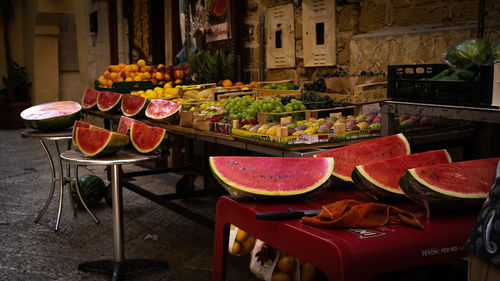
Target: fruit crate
408 83
262 117
126 87
305 138
235 93
363 94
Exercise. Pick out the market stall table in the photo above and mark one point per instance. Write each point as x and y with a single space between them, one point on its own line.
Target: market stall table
55 137
343 254
119 266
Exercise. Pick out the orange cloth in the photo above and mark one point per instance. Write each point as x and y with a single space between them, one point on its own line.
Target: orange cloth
349 213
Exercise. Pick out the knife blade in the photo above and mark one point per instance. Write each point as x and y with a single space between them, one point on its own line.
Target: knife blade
287 215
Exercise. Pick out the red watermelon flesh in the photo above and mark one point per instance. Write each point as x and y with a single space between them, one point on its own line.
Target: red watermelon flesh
108 101
159 109
89 99
125 124
271 176
146 139
99 142
133 105
467 179
348 157
385 174
78 124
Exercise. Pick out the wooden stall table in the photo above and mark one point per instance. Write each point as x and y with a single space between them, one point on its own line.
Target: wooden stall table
64 135
343 254
119 266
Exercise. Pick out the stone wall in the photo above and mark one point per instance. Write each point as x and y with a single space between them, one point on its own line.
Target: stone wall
372 34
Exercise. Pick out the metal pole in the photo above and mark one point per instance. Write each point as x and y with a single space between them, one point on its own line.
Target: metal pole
116 197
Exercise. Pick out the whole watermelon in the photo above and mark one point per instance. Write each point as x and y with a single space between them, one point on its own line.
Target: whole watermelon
92 189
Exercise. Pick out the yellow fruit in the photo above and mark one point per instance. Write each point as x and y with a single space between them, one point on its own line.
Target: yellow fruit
298 133
109 83
134 67
128 68
114 76
121 65
241 236
107 74
119 79
158 76
286 263
247 127
129 79
101 80
167 85
247 246
263 129
236 248
137 78
307 272
141 63
281 276
311 130
147 75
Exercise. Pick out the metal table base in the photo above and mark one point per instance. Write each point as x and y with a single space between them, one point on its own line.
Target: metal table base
55 137
119 266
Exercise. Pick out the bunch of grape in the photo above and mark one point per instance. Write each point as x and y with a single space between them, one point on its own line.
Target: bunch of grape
317 86
236 108
339 73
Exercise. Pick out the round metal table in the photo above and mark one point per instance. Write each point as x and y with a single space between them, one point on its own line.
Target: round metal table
56 136
119 266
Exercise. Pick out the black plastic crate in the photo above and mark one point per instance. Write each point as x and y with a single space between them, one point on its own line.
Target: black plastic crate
405 84
127 87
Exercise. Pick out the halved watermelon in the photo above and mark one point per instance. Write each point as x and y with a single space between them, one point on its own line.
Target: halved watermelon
348 157
97 143
133 106
125 124
78 124
381 179
147 139
52 116
109 101
450 186
163 110
271 176
89 99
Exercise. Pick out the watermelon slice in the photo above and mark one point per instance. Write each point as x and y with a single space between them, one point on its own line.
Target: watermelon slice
125 124
271 176
381 179
163 110
147 139
51 116
452 186
97 143
78 124
89 99
109 102
348 157
133 106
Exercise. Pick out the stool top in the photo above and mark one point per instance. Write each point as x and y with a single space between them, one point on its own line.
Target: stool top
56 135
122 157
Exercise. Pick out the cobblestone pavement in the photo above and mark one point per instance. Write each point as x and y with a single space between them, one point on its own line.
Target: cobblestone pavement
30 251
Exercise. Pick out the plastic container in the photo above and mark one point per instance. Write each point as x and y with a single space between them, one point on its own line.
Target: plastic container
405 84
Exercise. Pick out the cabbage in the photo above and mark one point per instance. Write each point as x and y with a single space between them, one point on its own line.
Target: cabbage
472 51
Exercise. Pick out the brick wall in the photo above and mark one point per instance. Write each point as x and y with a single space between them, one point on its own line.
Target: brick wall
374 33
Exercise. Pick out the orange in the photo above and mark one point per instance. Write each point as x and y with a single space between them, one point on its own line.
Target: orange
144 68
141 63
135 67
107 74
119 79
129 79
109 83
147 75
158 76
121 65
114 76
137 78
141 75
227 83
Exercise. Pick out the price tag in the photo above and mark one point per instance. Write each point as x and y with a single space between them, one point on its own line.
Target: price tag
307 138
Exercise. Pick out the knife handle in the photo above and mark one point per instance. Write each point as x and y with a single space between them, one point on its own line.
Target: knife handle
279 216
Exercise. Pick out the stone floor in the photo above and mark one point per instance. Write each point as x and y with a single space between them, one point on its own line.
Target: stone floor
30 251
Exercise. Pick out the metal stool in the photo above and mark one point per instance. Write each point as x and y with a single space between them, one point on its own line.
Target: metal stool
56 136
119 266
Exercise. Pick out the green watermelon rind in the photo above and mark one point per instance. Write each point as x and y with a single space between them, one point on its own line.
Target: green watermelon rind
114 108
349 179
232 187
95 195
139 113
113 144
446 192
55 123
157 145
360 169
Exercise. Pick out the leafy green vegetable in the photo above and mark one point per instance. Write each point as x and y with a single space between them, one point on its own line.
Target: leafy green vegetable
477 51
